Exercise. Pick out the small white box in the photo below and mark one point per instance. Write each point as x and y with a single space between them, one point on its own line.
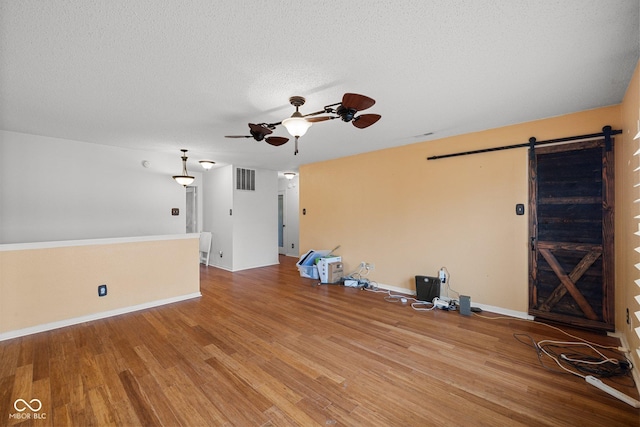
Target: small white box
350 283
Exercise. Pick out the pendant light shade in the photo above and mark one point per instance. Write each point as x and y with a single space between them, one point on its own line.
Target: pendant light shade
296 125
207 164
184 179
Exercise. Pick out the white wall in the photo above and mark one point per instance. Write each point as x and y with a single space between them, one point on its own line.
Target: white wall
248 237
255 223
54 189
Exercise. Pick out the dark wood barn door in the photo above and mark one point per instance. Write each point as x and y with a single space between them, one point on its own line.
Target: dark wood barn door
571 232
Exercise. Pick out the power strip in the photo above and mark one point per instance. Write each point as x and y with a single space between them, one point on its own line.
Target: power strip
612 391
440 303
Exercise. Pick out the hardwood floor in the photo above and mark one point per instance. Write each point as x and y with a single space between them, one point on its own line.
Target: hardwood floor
264 347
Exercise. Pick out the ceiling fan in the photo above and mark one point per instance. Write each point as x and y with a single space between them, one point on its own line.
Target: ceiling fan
298 124
259 132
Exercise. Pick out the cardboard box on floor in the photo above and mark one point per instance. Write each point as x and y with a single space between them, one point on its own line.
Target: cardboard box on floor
330 269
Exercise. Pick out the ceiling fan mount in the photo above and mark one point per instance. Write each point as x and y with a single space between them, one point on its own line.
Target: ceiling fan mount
346 110
297 101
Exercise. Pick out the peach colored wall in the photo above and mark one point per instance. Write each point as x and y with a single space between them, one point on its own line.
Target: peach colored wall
41 286
411 216
626 210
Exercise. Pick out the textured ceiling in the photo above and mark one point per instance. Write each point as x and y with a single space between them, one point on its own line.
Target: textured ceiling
162 75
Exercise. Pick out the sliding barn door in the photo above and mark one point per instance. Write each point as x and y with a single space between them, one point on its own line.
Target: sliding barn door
571 232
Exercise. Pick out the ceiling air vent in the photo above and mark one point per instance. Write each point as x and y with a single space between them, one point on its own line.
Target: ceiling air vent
245 179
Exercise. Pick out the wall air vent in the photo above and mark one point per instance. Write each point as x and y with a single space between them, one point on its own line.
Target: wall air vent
245 179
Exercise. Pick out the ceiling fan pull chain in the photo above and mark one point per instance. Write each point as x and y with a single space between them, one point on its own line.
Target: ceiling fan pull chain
296 151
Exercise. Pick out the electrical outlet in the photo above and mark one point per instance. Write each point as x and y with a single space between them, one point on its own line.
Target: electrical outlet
102 290
367 265
220 254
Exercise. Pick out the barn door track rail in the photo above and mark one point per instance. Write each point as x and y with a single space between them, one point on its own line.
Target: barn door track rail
607 132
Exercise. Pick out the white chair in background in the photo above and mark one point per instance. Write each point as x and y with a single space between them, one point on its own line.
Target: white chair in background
205 247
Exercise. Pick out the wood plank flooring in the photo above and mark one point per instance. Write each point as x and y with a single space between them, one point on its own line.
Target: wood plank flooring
265 347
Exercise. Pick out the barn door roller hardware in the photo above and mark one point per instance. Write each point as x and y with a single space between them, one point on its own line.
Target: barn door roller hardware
607 132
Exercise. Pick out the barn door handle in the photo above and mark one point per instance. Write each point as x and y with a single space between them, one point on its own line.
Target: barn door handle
533 243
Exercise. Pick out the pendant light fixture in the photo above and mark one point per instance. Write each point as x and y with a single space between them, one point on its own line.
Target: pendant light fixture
184 179
207 164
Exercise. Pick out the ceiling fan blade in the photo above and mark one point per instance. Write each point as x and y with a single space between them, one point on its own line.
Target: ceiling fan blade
357 102
260 129
319 119
276 140
238 136
366 120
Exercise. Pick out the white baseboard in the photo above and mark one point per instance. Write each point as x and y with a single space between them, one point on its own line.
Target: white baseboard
221 267
250 267
635 371
96 316
503 311
392 288
484 307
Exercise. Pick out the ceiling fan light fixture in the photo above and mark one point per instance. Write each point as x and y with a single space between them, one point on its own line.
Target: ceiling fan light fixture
296 125
184 179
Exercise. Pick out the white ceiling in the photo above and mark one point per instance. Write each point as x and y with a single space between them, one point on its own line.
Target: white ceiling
162 75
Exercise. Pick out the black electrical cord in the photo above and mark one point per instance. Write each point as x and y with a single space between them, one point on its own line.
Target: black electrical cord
583 364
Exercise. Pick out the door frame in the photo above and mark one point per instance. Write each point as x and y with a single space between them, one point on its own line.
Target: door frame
191 209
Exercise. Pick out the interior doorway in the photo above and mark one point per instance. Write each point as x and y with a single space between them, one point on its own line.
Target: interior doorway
191 210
